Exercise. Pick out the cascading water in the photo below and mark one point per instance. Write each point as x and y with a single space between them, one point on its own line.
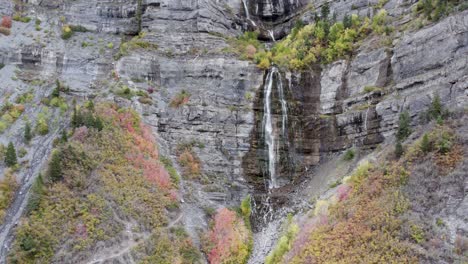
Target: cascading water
271 140
268 130
246 8
272 35
279 149
247 13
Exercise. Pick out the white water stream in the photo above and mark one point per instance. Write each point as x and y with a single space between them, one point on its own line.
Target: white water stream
270 137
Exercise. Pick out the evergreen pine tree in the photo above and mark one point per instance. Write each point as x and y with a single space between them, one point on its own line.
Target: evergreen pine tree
404 129
27 133
77 118
98 124
10 156
398 149
436 108
55 167
89 120
425 144
56 92
325 11
347 22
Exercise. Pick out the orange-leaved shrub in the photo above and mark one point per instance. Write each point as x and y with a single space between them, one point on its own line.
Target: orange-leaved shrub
229 240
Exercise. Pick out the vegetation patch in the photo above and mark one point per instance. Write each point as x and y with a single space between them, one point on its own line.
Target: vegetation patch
349 155
20 18
42 123
8 187
135 43
434 10
180 99
188 160
9 113
98 176
229 240
323 41
347 231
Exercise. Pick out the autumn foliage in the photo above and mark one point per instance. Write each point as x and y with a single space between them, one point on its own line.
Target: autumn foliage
228 241
361 226
108 173
6 22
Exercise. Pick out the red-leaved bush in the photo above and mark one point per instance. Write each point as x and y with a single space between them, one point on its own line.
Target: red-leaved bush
143 153
6 22
228 241
343 192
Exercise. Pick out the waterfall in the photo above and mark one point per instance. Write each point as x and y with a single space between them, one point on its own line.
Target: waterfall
272 35
284 106
268 129
365 118
247 13
271 140
246 8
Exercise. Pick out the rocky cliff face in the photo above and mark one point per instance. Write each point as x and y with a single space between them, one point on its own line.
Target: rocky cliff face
330 109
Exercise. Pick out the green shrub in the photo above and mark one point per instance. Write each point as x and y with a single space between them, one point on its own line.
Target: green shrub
136 42
3 126
349 155
20 18
369 89
37 191
180 99
67 32
426 145
379 22
78 28
417 234
440 222
5 31
398 149
42 127
22 152
334 184
25 98
59 102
